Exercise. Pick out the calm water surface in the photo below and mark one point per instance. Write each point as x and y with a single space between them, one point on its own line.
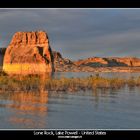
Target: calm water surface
115 109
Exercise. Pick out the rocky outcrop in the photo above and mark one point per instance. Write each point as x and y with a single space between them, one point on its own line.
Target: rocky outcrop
128 61
93 61
96 64
28 53
62 64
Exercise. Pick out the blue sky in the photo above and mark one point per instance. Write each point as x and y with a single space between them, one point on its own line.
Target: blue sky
78 33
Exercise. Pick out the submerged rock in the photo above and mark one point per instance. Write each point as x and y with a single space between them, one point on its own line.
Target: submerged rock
28 53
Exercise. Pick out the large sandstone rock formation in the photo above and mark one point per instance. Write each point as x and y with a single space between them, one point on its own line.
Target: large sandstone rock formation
28 53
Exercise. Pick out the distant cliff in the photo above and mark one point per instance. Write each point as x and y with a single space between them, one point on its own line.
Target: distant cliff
109 62
62 64
96 64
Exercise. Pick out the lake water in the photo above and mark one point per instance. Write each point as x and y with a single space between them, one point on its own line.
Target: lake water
100 109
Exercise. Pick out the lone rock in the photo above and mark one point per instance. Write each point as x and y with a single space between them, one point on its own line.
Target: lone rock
28 53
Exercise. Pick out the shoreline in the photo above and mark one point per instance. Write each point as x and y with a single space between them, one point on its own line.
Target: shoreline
98 69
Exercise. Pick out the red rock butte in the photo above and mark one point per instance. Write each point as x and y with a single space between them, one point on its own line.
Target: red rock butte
28 53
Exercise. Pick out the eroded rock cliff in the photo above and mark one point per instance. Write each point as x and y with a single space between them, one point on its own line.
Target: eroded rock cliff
28 53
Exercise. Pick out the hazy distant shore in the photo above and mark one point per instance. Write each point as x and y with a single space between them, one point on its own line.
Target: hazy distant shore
100 69
96 69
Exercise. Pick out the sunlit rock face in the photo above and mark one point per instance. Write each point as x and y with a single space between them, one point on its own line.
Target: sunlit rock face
28 53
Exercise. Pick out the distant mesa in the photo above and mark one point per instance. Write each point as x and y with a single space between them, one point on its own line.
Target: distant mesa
109 62
29 53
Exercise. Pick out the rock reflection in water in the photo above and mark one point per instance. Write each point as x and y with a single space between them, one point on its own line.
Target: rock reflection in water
27 108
